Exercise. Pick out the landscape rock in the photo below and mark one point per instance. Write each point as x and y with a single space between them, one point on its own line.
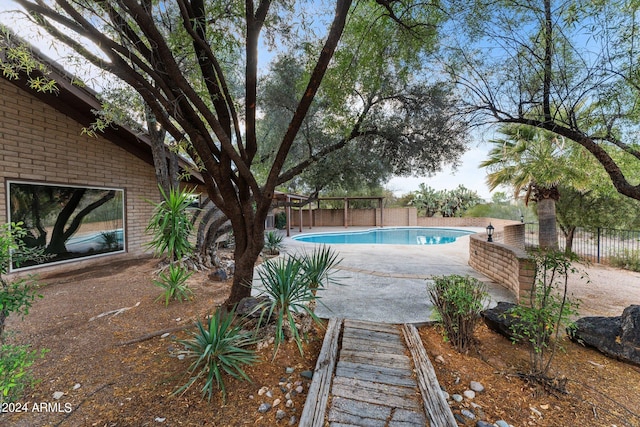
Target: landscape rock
476 386
469 394
219 275
264 407
248 307
498 318
617 337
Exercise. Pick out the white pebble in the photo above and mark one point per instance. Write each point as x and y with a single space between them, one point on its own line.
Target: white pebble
476 386
535 411
262 390
299 389
160 419
77 386
166 334
58 394
469 394
276 402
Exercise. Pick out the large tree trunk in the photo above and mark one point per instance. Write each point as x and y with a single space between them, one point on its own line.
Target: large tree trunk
548 234
245 256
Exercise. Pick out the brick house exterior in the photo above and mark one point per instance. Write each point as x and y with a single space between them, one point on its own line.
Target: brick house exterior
41 141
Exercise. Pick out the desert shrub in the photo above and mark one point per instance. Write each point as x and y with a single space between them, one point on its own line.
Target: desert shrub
458 301
174 284
629 260
548 309
218 347
288 289
273 242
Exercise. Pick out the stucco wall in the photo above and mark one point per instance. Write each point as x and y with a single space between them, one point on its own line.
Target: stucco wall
38 143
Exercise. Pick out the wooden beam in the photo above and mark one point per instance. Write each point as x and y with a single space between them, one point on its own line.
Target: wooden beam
315 406
435 406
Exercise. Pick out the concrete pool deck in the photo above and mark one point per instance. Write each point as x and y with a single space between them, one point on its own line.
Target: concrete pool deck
388 283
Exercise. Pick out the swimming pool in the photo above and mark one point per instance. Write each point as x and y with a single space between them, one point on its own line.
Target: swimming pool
388 236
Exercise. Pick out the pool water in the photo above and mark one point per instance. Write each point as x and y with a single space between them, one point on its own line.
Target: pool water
388 236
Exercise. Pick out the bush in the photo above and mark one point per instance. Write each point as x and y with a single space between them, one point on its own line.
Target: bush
629 260
174 284
16 297
220 347
458 301
288 289
15 361
280 220
548 309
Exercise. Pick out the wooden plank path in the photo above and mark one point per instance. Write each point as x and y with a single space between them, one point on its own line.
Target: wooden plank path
374 375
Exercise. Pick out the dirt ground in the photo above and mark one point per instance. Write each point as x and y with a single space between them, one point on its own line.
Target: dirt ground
107 382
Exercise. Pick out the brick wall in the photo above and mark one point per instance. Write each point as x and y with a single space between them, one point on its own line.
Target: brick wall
38 143
508 265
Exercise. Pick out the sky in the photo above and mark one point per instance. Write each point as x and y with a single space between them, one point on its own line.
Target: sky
468 173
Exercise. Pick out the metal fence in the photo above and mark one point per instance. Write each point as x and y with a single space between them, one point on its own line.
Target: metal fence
598 245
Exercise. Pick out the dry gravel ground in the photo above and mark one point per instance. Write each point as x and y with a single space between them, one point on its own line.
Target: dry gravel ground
132 385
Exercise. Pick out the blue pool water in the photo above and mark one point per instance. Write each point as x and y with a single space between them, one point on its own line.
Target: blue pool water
388 236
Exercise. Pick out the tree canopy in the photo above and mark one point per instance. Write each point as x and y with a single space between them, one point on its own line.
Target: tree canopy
566 66
195 63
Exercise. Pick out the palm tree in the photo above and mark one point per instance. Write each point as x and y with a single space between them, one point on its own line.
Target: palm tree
533 162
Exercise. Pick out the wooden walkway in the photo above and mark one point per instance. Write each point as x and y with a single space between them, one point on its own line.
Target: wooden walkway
373 374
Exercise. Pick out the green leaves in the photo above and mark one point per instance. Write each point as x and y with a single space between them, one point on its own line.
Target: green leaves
218 348
273 242
291 285
548 308
458 301
171 225
289 291
174 284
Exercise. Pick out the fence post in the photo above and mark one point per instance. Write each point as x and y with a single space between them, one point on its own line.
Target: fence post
598 255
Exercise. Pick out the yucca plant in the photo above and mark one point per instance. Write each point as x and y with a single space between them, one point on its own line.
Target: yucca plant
174 283
221 347
171 225
273 242
289 292
317 266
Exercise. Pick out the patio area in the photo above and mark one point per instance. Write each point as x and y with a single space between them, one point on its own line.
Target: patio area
388 283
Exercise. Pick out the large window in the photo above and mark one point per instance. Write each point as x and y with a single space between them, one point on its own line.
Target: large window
68 222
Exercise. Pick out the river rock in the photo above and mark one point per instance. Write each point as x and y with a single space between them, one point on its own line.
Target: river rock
617 337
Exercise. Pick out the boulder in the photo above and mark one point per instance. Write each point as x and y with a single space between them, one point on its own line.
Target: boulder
499 319
617 337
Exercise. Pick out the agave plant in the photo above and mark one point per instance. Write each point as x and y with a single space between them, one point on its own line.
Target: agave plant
288 288
174 283
219 347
